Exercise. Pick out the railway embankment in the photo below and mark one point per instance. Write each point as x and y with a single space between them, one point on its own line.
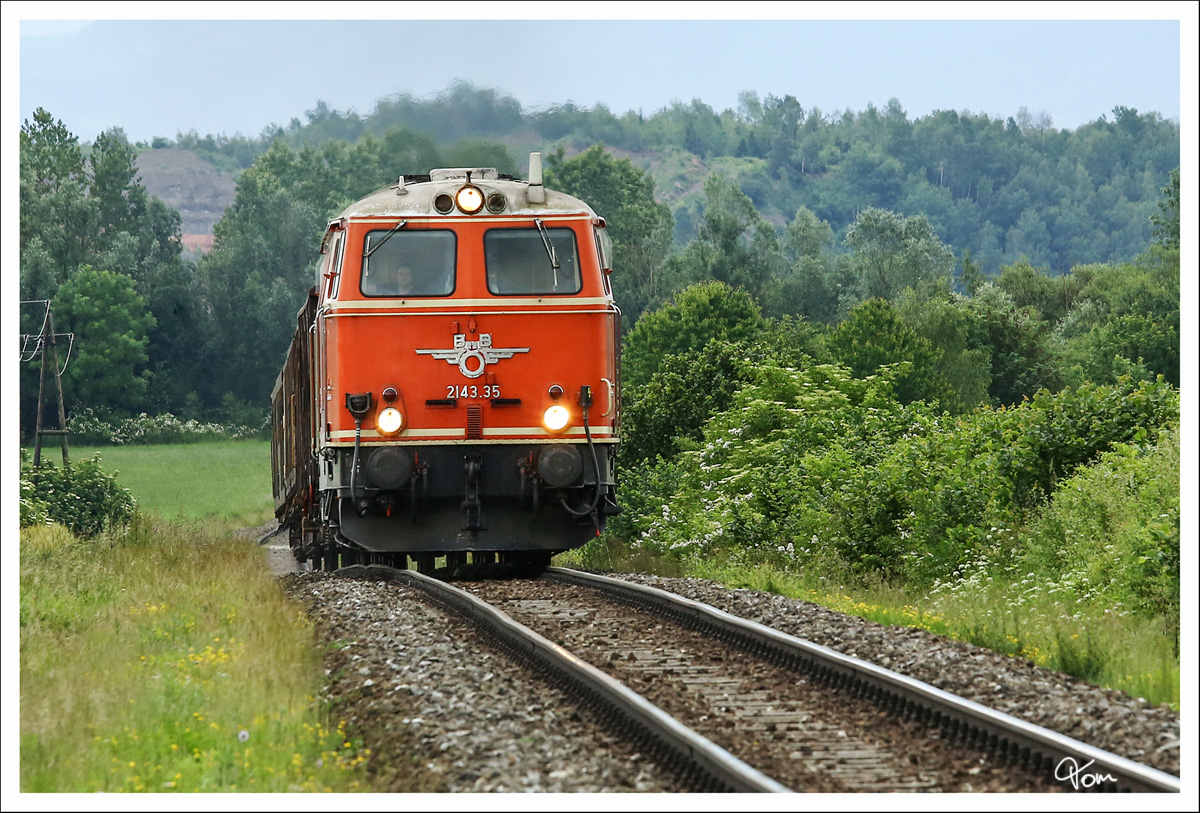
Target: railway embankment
424 689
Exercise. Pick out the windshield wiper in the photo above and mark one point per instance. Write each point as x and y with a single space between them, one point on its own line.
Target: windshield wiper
550 252
367 254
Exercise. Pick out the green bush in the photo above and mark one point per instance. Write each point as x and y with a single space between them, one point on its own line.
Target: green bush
816 468
1147 340
762 481
239 416
994 468
34 510
1113 529
648 487
661 416
699 314
667 413
874 335
80 496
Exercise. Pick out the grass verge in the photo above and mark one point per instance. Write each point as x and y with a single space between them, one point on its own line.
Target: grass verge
167 659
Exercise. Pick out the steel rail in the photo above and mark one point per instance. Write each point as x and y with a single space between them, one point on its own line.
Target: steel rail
693 756
972 722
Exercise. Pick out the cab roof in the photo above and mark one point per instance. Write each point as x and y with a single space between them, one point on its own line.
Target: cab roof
414 195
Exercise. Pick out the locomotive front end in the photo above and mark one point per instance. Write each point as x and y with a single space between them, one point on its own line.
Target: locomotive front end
465 371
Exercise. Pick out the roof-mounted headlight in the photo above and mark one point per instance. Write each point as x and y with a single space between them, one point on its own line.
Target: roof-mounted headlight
469 199
496 203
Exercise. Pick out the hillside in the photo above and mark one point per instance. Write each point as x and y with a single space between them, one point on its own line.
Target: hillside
189 184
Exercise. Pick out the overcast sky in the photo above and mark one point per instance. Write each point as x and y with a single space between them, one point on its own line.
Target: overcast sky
227 76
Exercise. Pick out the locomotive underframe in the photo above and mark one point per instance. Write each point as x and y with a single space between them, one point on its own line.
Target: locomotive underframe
466 497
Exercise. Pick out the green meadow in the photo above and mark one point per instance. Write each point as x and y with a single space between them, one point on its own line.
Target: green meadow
227 483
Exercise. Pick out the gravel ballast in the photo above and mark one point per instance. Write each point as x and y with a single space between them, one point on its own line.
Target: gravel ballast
806 735
442 711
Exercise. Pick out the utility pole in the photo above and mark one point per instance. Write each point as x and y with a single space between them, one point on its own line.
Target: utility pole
47 345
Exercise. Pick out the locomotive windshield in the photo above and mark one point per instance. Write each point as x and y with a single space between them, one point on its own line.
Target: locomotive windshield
408 263
518 262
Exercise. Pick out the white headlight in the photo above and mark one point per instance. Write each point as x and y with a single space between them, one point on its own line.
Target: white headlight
556 418
469 199
389 422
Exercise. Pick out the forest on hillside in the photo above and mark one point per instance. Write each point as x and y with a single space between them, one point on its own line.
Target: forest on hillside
1002 189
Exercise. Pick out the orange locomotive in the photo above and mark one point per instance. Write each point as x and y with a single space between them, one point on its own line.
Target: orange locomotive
452 386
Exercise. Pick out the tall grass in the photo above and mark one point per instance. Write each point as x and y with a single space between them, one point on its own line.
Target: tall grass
168 659
1025 617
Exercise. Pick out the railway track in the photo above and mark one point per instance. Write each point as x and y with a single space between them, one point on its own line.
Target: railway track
732 705
700 764
946 717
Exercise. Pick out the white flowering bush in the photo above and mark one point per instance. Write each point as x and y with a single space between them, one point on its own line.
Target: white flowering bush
1112 532
88 427
759 485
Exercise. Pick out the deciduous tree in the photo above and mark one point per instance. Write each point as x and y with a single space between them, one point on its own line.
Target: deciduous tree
1166 222
891 253
697 316
734 244
110 322
874 335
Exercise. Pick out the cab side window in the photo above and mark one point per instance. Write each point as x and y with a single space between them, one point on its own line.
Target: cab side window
604 256
331 267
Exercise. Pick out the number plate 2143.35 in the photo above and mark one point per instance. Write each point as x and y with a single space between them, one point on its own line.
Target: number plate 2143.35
473 391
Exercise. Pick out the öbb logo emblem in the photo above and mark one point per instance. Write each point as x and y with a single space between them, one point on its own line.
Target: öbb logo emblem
472 358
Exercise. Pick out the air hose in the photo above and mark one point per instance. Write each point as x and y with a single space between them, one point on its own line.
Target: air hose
358 405
585 400
354 461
